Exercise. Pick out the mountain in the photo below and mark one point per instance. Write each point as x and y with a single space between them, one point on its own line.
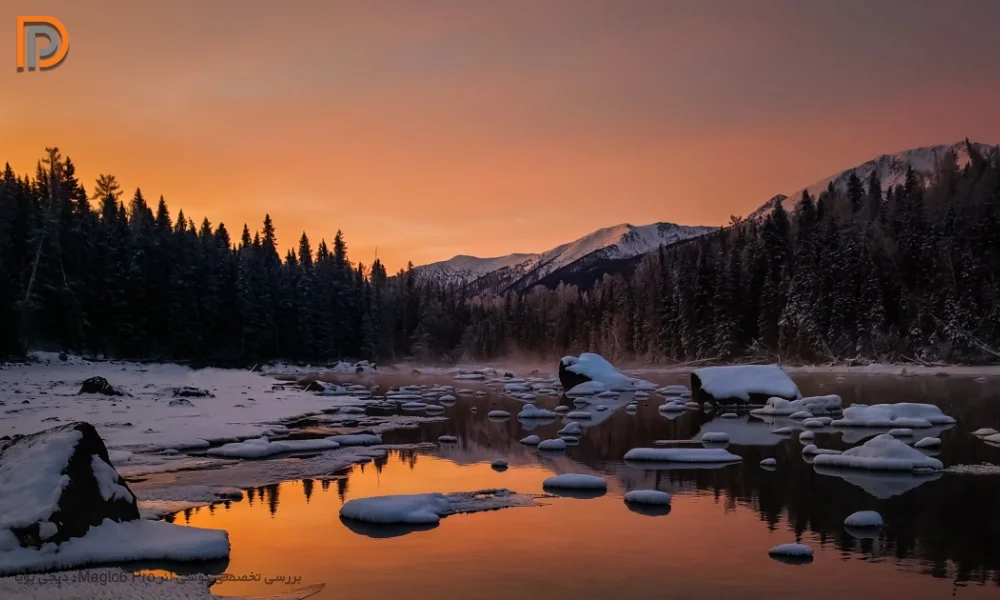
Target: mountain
891 170
521 271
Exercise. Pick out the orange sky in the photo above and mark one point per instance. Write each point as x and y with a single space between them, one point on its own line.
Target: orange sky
429 129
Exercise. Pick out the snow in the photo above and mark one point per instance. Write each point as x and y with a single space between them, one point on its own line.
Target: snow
413 406
985 431
691 455
107 481
883 452
674 390
616 242
576 481
901 432
814 405
794 550
902 414
531 440
31 478
573 428
530 411
928 442
992 439
715 437
813 450
654 497
801 415
807 435
597 369
498 414
263 447
814 423
864 518
428 508
729 415
578 414
782 431
356 439
769 462
553 444
118 542
673 406
447 439
742 380
983 469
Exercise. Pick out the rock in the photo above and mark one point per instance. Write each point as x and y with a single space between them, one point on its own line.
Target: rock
569 379
180 402
58 483
187 391
99 385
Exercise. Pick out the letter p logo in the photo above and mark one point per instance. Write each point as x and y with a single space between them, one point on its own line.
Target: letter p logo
29 55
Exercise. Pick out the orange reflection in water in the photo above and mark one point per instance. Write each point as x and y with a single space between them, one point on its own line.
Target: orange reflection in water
568 548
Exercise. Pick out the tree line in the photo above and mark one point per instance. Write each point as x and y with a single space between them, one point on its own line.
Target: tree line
907 272
96 275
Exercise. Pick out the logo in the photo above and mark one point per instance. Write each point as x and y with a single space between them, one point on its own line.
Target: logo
29 55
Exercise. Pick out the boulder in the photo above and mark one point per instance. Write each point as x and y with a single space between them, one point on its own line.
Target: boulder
742 384
99 385
58 483
569 379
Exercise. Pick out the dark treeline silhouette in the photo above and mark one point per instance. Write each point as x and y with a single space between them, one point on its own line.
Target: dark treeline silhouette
909 272
101 276
904 273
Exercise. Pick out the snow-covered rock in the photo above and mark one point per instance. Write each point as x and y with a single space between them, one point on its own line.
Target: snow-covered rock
715 437
593 368
864 518
742 384
447 439
688 455
901 432
654 497
791 550
263 447
883 453
498 414
902 415
768 463
928 442
573 428
100 385
813 450
984 432
673 406
673 390
531 440
428 508
553 444
530 411
801 415
57 484
814 405
356 439
807 435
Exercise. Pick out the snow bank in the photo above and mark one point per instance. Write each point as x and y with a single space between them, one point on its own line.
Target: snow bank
814 405
576 481
652 497
688 455
428 508
902 414
742 383
263 447
883 453
119 542
864 518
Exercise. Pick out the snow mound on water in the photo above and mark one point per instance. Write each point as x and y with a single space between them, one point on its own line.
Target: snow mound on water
576 481
692 455
655 497
531 440
769 462
814 405
743 380
356 439
118 542
553 444
263 447
864 518
428 508
530 411
715 437
598 369
985 431
902 414
928 442
881 453
498 414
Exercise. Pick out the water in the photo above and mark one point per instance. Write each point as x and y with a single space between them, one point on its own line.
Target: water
942 535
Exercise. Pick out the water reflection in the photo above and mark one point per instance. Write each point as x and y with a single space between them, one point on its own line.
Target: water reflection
938 525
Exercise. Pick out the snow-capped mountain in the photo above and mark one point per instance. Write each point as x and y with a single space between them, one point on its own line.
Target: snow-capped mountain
891 170
520 271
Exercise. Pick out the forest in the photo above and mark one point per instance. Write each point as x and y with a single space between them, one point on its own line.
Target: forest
905 273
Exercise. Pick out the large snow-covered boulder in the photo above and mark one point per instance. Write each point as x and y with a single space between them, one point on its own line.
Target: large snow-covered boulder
742 384
589 367
57 484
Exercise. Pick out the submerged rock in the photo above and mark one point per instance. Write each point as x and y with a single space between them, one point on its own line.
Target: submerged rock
59 483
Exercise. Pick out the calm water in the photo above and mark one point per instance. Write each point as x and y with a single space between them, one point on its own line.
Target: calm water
942 536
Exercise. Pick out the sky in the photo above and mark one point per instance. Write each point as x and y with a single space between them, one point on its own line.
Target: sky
434 128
